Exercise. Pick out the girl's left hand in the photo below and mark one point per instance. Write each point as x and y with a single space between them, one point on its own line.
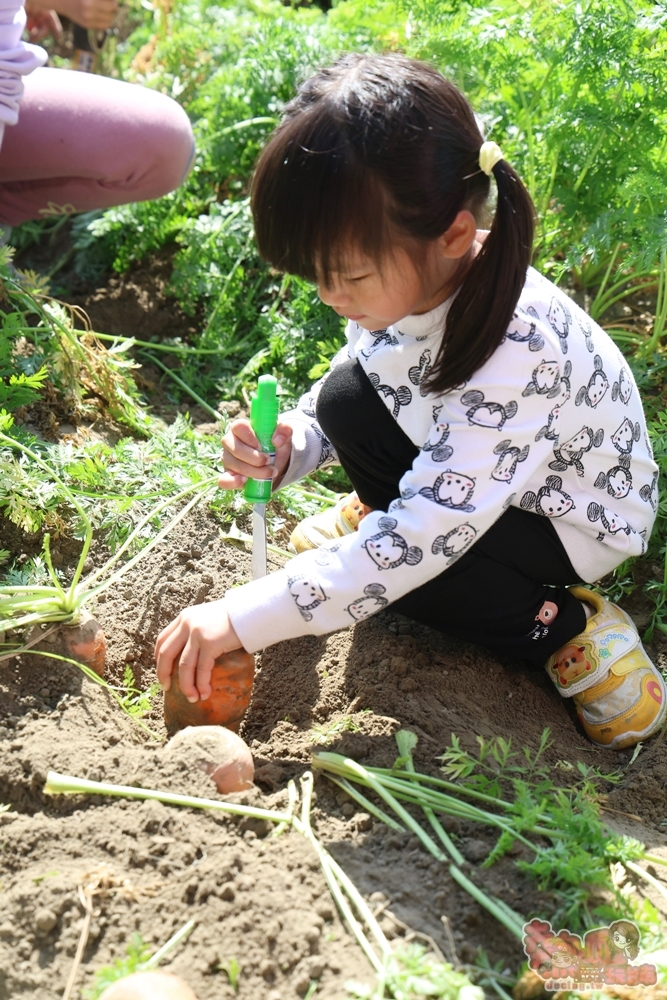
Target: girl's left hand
200 634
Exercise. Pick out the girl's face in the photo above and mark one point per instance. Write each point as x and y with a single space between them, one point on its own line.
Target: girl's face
375 296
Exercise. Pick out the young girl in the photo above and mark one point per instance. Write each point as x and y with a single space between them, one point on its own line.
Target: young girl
491 430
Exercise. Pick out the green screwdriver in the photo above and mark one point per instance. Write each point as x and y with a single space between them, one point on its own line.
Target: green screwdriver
264 419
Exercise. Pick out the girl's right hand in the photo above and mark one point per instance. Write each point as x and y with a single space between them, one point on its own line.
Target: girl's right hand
243 459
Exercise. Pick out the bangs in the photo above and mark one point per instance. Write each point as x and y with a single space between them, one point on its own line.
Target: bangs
313 199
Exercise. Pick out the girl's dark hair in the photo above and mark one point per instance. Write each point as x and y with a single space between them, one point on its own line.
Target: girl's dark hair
376 151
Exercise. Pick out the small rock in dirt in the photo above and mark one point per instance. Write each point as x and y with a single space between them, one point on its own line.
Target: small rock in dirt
324 909
45 920
228 894
268 969
363 821
347 809
45 693
474 850
6 932
270 774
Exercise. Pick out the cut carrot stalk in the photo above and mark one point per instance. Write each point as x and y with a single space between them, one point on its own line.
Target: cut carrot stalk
231 687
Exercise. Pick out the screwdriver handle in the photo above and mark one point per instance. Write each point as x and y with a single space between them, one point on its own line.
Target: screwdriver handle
264 408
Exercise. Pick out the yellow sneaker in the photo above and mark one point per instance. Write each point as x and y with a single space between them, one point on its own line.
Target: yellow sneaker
334 522
620 696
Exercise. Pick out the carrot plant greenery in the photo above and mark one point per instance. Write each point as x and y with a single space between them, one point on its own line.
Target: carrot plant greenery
571 850
406 973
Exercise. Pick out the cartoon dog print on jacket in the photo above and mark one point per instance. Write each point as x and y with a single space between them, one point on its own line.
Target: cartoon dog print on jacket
545 380
571 453
399 397
388 550
584 325
560 321
528 335
571 663
451 489
550 501
611 521
649 493
487 414
617 481
380 338
623 388
419 373
510 455
436 443
369 604
455 542
307 593
625 436
596 389
550 429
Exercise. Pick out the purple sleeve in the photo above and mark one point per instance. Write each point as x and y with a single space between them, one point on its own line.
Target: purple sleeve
17 59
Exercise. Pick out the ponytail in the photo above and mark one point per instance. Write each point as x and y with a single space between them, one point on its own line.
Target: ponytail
380 151
485 302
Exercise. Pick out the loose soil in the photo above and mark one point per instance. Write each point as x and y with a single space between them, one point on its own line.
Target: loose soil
257 900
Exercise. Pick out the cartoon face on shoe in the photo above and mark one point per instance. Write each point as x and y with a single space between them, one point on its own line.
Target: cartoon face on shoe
571 663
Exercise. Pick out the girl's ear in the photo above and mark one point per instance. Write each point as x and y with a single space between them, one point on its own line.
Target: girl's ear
457 240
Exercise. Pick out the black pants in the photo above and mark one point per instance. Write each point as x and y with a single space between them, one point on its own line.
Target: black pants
496 593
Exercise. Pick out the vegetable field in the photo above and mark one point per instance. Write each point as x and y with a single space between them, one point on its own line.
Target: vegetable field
415 800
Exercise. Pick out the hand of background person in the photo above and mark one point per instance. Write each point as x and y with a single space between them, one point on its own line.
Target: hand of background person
96 15
41 21
199 635
243 459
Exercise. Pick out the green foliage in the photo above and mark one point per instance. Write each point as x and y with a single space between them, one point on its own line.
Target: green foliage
233 970
571 92
412 973
136 955
575 861
135 702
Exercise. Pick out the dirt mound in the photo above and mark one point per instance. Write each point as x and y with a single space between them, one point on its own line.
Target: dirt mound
258 901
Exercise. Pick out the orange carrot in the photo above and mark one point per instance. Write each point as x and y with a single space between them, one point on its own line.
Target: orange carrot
84 642
231 684
149 986
218 752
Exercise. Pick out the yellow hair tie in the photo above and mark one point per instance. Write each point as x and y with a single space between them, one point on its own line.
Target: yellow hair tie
490 153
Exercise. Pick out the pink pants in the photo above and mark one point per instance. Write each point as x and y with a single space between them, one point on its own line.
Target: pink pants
84 141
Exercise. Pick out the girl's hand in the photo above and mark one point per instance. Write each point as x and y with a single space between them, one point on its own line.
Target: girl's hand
200 634
243 459
41 22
